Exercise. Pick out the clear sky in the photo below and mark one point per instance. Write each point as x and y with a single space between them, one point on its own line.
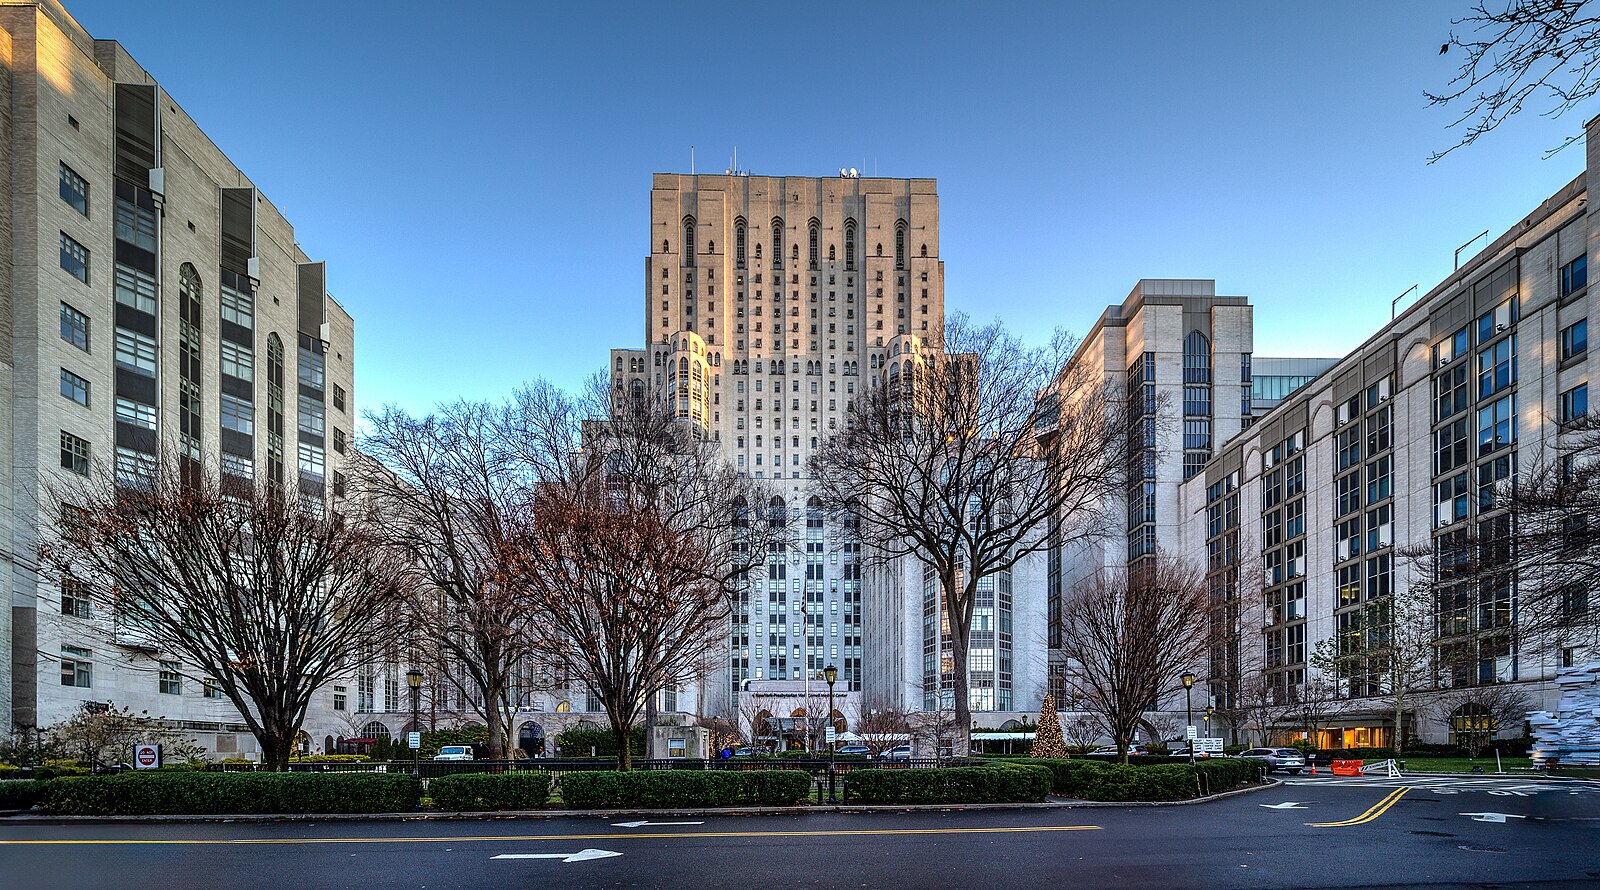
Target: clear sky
477 175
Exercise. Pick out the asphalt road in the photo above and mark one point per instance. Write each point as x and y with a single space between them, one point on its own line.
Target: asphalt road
1368 833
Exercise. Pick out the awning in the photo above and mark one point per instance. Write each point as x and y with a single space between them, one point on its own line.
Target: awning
1002 737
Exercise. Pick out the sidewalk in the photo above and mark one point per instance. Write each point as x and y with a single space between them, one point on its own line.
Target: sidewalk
1053 803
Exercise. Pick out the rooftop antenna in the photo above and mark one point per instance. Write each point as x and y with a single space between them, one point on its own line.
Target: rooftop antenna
691 160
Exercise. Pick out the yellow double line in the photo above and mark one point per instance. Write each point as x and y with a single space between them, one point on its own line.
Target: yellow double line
1378 809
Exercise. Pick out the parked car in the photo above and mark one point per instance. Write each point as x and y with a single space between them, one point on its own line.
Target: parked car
748 751
897 753
454 752
1199 755
1287 759
1111 751
854 751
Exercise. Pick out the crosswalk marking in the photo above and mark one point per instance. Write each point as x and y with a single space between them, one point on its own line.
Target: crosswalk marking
1505 786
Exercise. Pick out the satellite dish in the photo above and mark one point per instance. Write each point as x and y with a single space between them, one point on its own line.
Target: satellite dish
853 172
841 171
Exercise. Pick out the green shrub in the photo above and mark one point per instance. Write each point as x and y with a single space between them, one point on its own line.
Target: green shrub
217 793
323 758
1170 781
9 770
684 788
21 795
1223 774
526 790
576 741
992 783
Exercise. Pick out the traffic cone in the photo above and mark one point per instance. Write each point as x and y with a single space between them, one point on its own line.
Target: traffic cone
1313 765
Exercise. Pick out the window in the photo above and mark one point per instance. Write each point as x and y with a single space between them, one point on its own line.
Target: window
136 413
74 453
1450 392
312 368
75 258
238 307
1575 403
338 397
238 361
311 460
76 669
135 467
134 289
341 698
171 678
1497 424
210 688
338 440
74 327
1497 367
1574 338
1575 275
74 387
238 415
311 416
75 598
74 190
136 352
135 225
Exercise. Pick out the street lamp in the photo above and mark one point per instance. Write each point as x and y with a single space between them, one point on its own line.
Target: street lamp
1209 711
1188 709
831 673
414 680
1306 713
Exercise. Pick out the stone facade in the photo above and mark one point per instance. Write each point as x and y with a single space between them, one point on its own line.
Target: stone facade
97 152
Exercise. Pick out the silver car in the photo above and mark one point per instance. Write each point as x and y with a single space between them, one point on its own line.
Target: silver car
1287 759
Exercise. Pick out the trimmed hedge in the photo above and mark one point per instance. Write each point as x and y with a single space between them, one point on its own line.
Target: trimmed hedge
684 788
211 794
464 792
1005 782
21 794
1222 774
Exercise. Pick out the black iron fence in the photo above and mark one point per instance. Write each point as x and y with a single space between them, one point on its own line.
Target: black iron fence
430 769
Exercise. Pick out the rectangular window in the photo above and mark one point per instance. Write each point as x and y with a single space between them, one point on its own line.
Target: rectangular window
1497 424
76 668
171 679
338 440
340 698
74 327
238 415
1497 367
75 599
136 352
313 369
134 288
210 688
135 467
238 361
1575 275
74 453
311 461
135 225
1574 338
238 307
1575 403
74 258
74 387
311 416
238 465
136 413
74 190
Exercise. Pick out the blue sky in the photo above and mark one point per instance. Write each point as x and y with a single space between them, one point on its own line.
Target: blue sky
477 174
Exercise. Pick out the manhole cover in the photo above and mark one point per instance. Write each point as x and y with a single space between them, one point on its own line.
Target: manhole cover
1434 833
1481 848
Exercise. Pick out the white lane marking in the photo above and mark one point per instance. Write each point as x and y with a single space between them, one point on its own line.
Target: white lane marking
580 856
641 823
1492 817
1286 805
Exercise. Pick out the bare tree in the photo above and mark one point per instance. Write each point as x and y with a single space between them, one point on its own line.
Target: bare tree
257 587
1387 650
1264 706
1128 636
1518 51
753 717
1317 703
961 456
99 736
1082 730
444 488
883 728
938 729
1476 715
634 546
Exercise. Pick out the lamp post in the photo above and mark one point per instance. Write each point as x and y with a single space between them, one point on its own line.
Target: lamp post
1210 709
1188 709
414 680
1306 713
831 673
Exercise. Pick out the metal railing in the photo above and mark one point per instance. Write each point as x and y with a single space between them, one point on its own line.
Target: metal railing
429 769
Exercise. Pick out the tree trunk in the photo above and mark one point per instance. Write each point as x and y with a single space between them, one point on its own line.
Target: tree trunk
496 720
1399 721
276 747
619 734
651 715
961 737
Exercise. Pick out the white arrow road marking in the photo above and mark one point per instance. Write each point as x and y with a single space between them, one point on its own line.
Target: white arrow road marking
580 856
641 823
1286 805
1492 817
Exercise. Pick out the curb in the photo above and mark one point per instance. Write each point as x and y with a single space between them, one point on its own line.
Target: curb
24 819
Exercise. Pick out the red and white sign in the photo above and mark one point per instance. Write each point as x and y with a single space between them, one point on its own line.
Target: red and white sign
147 756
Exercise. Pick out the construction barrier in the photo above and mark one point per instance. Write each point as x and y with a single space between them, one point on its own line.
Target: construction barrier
1347 767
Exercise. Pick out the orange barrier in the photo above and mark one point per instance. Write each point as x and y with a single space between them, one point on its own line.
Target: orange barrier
1347 767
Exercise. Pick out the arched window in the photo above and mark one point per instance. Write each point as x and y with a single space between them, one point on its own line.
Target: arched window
1196 358
814 514
812 234
738 242
190 326
275 409
924 250
741 512
900 244
775 512
777 242
665 246
711 247
850 244
758 250
880 248
831 255
375 730
688 241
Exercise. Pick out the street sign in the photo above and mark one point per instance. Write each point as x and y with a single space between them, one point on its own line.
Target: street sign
147 756
832 734
414 740
1208 745
1190 733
